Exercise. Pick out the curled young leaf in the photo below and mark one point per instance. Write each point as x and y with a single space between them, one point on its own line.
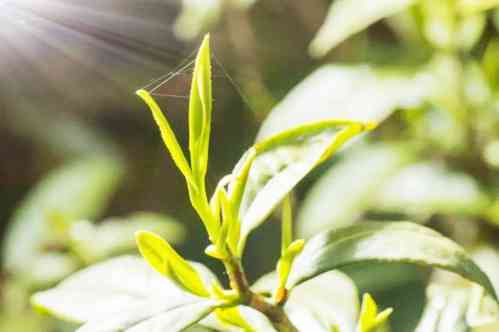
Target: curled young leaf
384 242
200 107
164 259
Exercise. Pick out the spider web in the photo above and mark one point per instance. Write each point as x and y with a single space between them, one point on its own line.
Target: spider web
176 84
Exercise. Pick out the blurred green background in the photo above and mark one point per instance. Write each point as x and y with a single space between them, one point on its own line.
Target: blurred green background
82 165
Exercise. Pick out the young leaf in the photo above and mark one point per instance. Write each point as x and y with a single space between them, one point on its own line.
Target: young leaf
200 108
168 137
77 190
164 259
347 17
122 294
283 161
370 320
384 242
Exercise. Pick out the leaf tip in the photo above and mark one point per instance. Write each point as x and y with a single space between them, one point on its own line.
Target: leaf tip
370 125
142 93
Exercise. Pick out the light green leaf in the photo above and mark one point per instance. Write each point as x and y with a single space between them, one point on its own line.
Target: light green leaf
427 188
168 136
400 242
200 108
346 190
117 235
77 190
283 161
164 259
370 320
119 294
356 93
347 17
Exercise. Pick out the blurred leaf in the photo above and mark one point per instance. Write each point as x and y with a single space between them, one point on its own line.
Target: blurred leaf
283 161
456 305
427 188
401 242
117 235
77 190
356 93
445 29
196 17
490 62
168 136
122 294
164 259
473 6
49 268
347 189
347 17
330 298
325 302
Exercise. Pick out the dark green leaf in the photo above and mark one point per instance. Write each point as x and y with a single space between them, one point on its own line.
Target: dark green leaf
384 242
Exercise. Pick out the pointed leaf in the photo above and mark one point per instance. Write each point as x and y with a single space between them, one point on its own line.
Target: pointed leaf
384 242
164 259
168 136
370 320
347 17
200 108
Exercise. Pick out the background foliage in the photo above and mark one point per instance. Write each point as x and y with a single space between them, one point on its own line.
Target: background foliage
81 162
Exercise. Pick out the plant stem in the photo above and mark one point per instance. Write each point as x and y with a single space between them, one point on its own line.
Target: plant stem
239 283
